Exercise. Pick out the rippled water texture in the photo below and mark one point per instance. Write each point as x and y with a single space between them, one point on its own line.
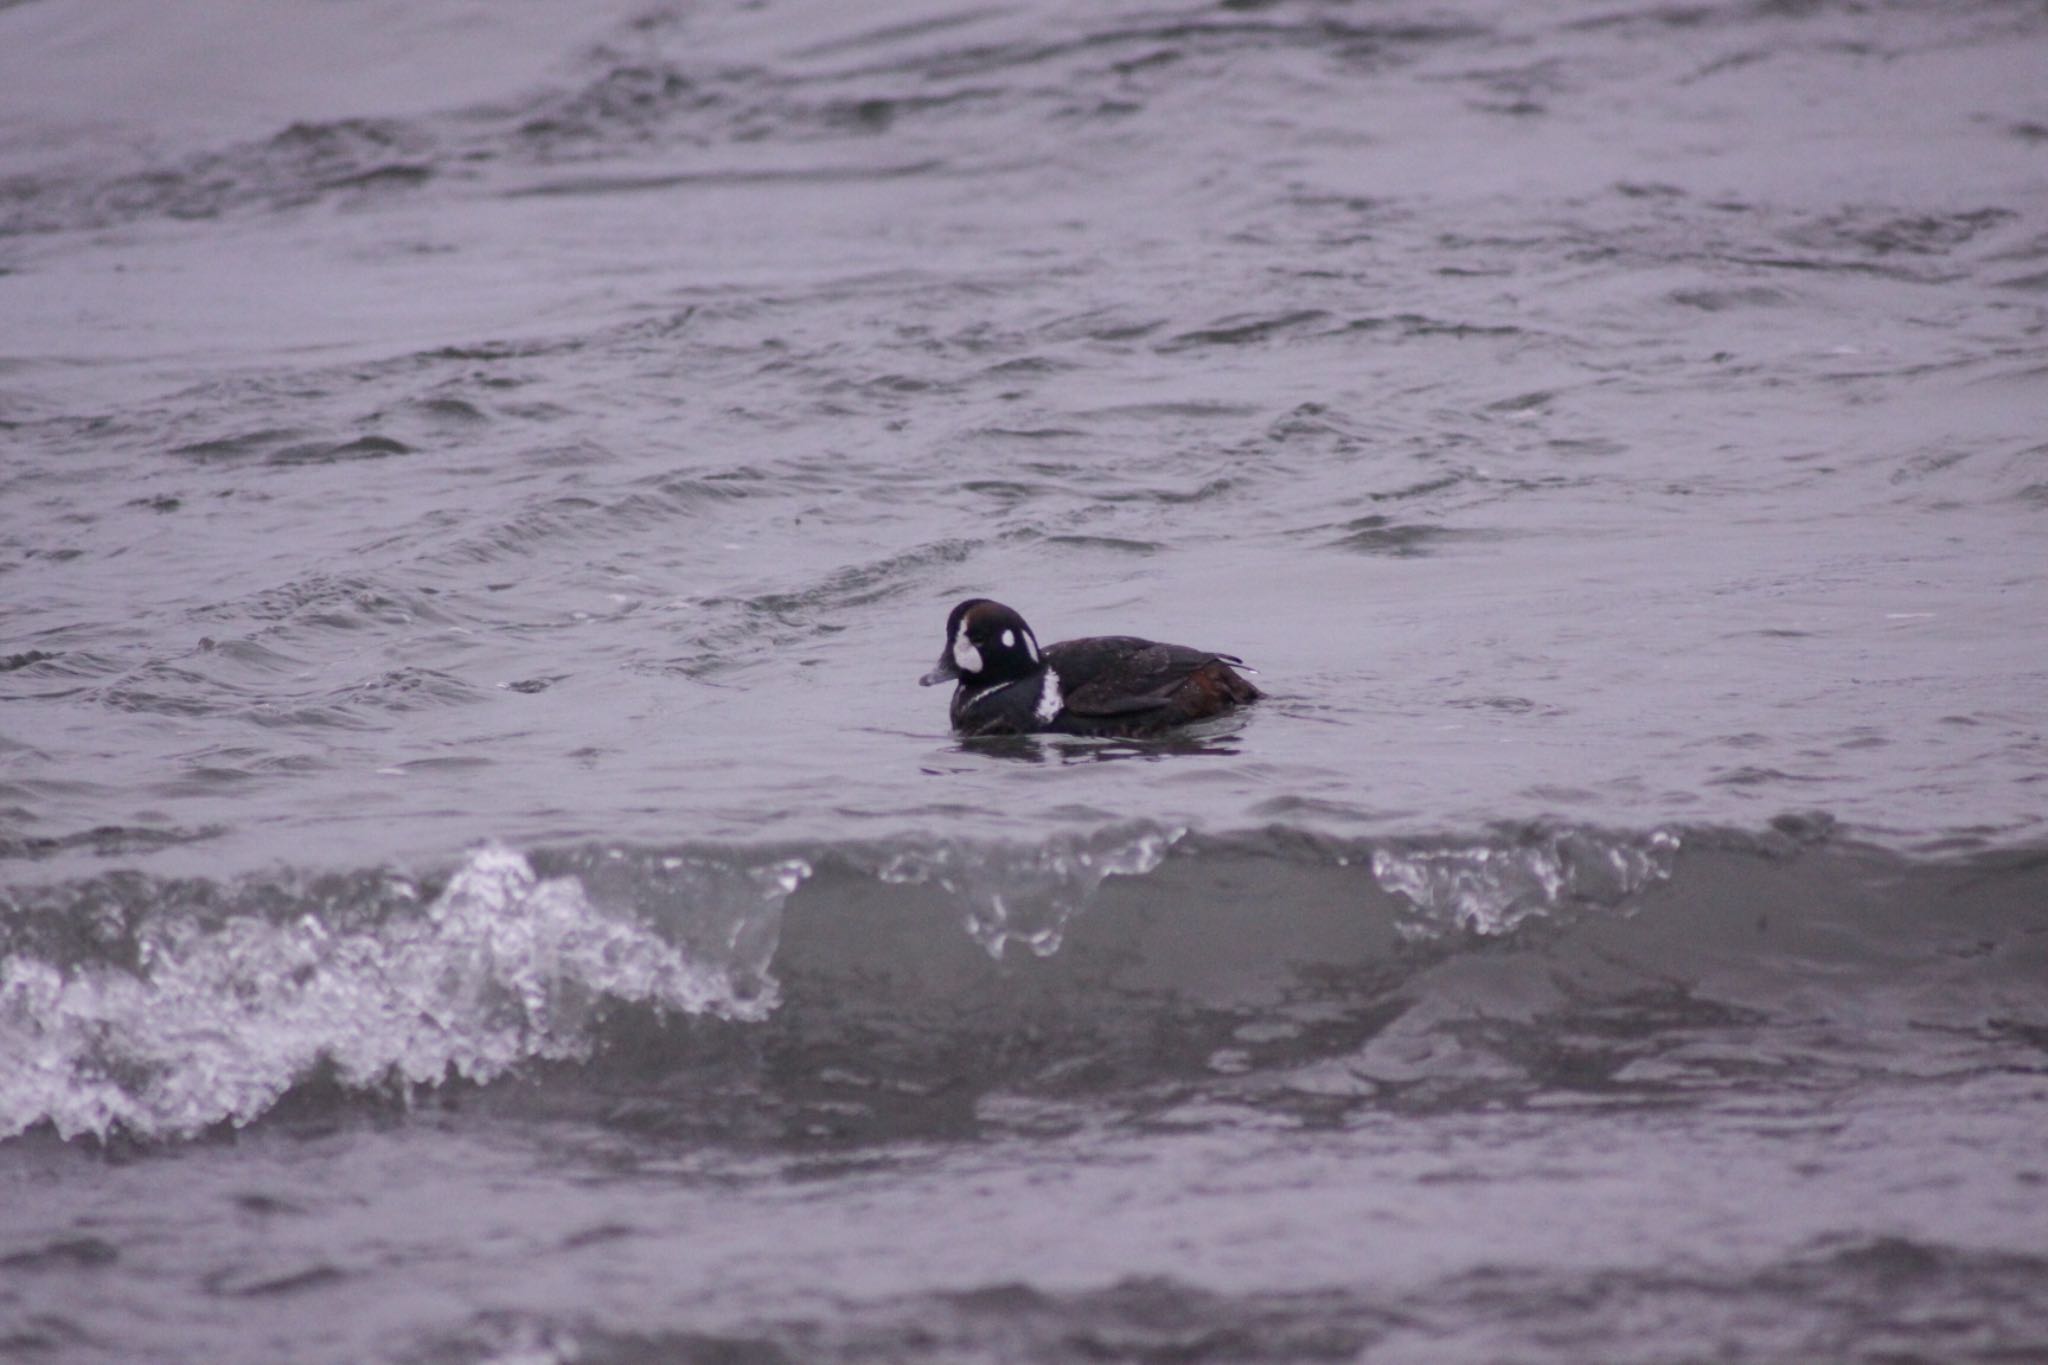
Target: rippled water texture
479 484
1615 413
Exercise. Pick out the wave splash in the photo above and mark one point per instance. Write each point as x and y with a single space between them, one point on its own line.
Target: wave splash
216 1017
1491 887
1027 894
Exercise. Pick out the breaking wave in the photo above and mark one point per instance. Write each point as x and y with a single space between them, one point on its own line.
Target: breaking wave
161 1008
221 1000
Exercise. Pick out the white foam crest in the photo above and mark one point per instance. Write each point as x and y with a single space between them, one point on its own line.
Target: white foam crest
1027 894
1490 888
223 1017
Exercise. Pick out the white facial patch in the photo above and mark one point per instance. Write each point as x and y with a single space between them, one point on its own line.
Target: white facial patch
1031 645
1050 699
965 656
1009 640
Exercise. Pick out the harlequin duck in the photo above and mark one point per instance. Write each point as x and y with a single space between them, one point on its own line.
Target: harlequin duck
1104 685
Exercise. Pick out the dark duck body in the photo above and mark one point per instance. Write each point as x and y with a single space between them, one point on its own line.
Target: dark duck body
1115 685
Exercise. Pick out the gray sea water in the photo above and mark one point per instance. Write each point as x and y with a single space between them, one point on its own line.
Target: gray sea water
479 483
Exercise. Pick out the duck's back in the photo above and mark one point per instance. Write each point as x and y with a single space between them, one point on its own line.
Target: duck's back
1119 684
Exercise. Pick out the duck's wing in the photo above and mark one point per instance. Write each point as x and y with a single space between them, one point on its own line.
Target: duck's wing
1118 675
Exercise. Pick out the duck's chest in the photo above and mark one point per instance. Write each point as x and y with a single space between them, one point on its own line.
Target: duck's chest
1018 707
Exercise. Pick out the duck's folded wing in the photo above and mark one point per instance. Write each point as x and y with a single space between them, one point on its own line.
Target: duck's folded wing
1120 676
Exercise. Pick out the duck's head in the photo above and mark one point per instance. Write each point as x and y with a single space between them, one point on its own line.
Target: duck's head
986 644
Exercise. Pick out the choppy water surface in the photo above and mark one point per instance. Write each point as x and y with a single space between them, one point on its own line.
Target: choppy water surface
478 880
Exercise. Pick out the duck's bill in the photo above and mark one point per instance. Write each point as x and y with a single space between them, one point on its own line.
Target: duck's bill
945 672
